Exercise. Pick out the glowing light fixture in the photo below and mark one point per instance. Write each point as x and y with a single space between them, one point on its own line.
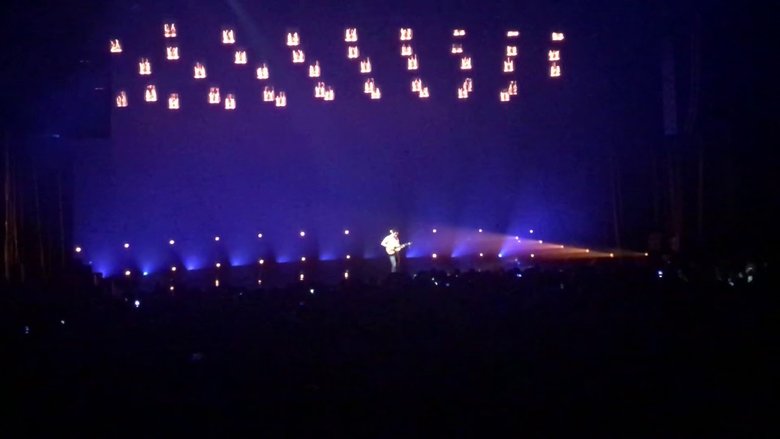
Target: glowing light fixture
172 53
424 93
228 37
368 85
171 242
353 52
281 99
456 49
126 245
173 268
121 99
511 51
376 93
239 57
416 85
144 67
557 36
302 233
173 101
465 63
303 258
268 94
261 261
434 256
260 236
150 95
554 55
78 249
127 273
555 71
216 238
298 57
406 50
406 34
365 66
350 35
293 40
512 34
169 30
230 101
459 33
116 46
199 71
214 97
314 70
504 95
346 231
218 265
411 63
509 65
512 88
262 72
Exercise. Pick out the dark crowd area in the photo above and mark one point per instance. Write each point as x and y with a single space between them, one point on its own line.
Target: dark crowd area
609 349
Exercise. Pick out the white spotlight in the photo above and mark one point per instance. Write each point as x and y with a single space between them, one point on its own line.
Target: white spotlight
127 273
78 249
260 236
216 238
349 257
173 268
126 245
481 255
346 232
531 231
218 265
261 261
303 258
434 230
480 230
434 256
302 234
171 242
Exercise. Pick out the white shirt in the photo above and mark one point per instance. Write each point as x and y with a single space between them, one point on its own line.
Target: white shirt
391 242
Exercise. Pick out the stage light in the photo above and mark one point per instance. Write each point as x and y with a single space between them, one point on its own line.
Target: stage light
259 281
172 53
533 255
171 288
500 256
531 231
660 274
330 94
406 50
511 51
261 261
376 93
300 277
228 37
350 35
611 255
512 34
555 71
434 256
319 90
121 99
262 72
462 93
230 101
368 85
481 255
216 238
303 258
169 30
127 273
314 70
199 71
434 231
554 55
349 257
346 231
406 34
216 282
171 242
146 273
78 249
424 93
353 52
218 265
281 99
302 233
144 67
137 303
116 46
587 250
468 85
173 268
126 245
646 254
411 63
512 88
150 95
346 274
541 242
504 95
509 65
268 94
293 40
239 57
517 238
459 33
311 290
298 57
173 101
465 63
214 97
365 66
456 49
557 36
416 85
259 236
479 230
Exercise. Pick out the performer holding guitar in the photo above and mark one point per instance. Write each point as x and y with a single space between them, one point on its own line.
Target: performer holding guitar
393 247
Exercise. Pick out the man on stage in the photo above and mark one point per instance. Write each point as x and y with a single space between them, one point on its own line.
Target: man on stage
393 246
